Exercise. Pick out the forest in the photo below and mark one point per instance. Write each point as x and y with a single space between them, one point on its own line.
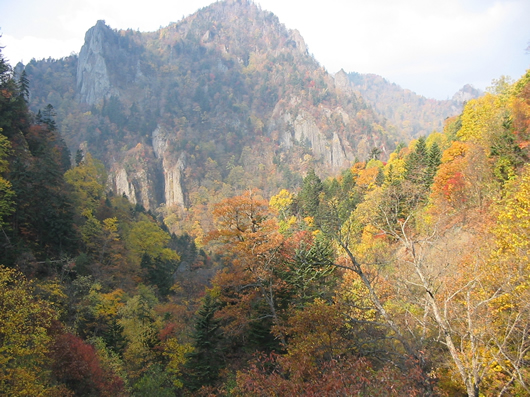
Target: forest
408 276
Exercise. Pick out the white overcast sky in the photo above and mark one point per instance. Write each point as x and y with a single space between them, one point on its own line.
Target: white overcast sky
432 47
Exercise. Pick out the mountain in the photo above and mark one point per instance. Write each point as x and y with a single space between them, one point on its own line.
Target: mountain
227 96
413 114
225 99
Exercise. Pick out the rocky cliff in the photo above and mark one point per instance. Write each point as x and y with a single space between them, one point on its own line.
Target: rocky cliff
224 99
93 82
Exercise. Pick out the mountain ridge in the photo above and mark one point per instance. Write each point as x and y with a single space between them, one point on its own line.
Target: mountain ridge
224 99
413 114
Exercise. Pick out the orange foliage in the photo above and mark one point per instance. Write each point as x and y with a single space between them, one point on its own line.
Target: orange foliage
449 184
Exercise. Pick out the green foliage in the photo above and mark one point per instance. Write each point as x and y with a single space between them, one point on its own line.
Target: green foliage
309 197
146 237
141 326
206 359
160 272
310 271
155 382
348 275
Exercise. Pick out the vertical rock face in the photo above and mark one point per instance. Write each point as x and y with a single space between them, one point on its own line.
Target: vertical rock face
159 139
338 157
138 175
171 169
93 82
173 191
304 130
151 176
120 181
139 185
307 132
300 43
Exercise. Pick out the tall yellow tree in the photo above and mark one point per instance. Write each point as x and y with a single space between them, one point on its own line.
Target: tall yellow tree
24 338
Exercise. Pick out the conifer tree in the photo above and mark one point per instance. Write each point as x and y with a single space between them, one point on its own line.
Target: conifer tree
433 162
23 84
309 195
206 359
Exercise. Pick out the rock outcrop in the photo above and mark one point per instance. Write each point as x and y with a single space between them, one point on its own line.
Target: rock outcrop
173 190
465 94
119 181
93 81
227 98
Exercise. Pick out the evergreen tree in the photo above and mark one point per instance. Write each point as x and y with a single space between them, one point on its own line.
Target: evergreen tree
47 116
309 197
421 164
23 84
14 113
160 272
78 157
434 161
207 359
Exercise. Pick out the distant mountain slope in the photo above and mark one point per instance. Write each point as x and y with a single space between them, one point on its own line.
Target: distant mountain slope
227 97
413 114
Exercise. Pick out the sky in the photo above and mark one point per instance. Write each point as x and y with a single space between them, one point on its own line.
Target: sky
431 47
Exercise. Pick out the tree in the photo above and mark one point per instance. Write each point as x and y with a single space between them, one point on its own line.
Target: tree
88 181
206 359
24 338
6 192
252 245
77 365
141 326
23 84
159 272
146 237
308 198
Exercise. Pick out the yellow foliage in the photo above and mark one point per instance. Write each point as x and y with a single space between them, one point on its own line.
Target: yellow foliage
146 237
88 180
394 168
285 225
513 227
354 297
315 332
481 118
109 304
24 339
141 326
281 201
176 354
309 221
439 138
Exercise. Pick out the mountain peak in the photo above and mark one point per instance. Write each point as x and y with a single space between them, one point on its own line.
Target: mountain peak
466 93
93 81
226 96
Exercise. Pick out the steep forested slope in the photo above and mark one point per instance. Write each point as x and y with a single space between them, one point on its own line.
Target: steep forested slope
228 89
407 276
412 114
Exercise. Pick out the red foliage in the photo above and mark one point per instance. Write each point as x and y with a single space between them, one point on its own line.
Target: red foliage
76 364
276 375
453 186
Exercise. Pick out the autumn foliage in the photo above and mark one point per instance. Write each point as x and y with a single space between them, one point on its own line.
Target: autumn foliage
403 277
